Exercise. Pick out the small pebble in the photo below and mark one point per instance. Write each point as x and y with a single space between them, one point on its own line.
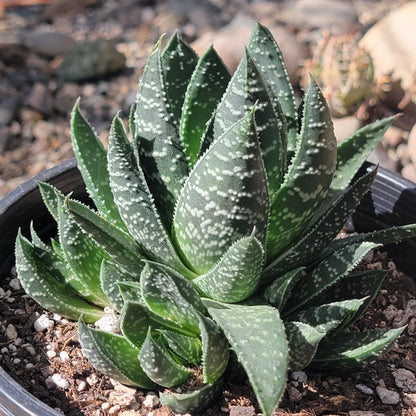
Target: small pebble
4 350
299 376
51 354
364 389
29 366
2 293
105 406
82 386
11 332
42 323
60 381
114 410
12 347
109 323
17 361
151 401
387 396
63 355
92 380
15 284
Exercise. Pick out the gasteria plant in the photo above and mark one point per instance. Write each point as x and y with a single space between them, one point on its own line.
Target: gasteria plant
214 234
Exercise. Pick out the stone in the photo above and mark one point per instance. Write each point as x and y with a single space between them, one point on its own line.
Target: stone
394 136
364 389
42 323
109 323
299 376
339 16
405 380
151 401
410 399
48 43
394 54
40 99
65 97
344 127
8 109
11 332
230 41
409 172
404 317
294 394
242 411
91 60
364 413
387 396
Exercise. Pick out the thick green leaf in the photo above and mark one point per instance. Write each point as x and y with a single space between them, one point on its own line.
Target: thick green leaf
83 256
188 348
267 56
92 163
171 296
159 365
325 318
228 190
215 350
278 293
327 273
135 202
354 151
178 63
236 275
43 281
113 355
323 230
245 90
257 336
49 196
110 277
119 245
308 178
134 323
303 342
351 349
161 155
206 87
195 401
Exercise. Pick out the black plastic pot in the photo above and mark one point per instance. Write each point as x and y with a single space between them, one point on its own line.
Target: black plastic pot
392 201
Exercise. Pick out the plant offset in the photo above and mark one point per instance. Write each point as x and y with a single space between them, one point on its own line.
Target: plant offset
214 234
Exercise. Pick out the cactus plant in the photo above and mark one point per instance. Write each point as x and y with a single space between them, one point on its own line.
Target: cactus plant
213 235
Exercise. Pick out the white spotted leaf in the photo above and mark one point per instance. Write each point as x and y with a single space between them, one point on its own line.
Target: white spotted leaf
227 189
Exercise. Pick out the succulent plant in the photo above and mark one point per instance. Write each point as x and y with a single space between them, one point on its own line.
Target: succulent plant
213 236
345 72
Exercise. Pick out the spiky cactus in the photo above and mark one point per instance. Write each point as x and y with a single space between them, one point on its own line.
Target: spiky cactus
214 231
344 70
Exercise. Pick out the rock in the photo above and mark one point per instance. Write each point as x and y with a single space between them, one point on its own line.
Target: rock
299 376
390 312
65 97
5 138
49 43
337 15
242 411
393 54
410 399
409 172
42 323
364 389
8 108
344 127
364 413
409 312
151 401
91 60
42 131
405 380
230 41
294 394
411 144
109 323
59 381
394 136
11 332
387 396
40 99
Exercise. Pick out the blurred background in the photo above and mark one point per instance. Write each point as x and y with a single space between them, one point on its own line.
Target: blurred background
361 52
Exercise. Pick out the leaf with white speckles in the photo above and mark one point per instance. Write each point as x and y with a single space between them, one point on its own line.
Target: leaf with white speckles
352 349
206 87
278 292
215 350
323 230
44 282
267 56
303 342
327 273
49 196
354 151
308 178
134 323
236 275
82 255
135 202
257 335
92 163
327 317
110 277
162 157
188 348
122 248
171 296
178 62
245 90
197 400
113 355
224 198
159 365
363 284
